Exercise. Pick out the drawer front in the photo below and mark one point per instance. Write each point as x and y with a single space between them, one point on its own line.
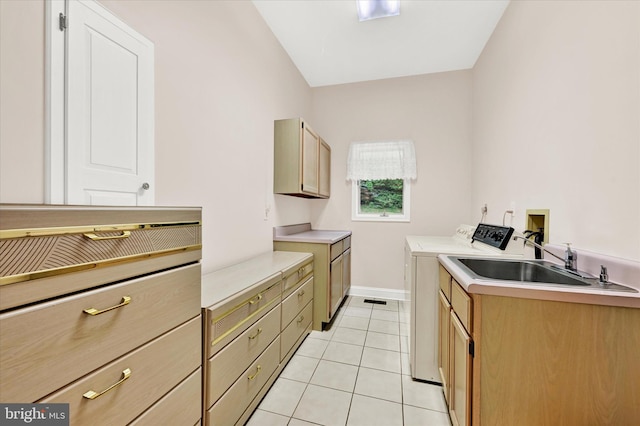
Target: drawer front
31 254
227 322
336 249
234 402
47 346
295 278
181 406
155 369
445 282
461 304
346 243
295 329
293 304
227 365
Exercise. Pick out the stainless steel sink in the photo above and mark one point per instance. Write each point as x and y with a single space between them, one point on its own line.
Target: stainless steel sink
518 270
528 272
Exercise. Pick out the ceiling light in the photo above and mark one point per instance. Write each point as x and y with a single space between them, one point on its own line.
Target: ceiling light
372 9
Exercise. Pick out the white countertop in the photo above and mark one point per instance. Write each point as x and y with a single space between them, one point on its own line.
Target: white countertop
541 291
303 233
219 285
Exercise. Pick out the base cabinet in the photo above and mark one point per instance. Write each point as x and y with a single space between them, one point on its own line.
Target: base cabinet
332 275
535 362
256 314
455 351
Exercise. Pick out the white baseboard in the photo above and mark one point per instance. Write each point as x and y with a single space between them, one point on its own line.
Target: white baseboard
377 293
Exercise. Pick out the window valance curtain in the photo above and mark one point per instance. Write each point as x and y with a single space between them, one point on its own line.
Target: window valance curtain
381 160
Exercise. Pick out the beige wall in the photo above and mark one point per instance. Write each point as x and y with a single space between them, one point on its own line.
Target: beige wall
221 80
22 101
555 94
432 110
556 117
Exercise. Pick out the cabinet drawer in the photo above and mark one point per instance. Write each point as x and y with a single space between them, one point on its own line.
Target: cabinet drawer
293 304
226 322
181 406
35 253
46 346
295 329
154 368
295 276
445 282
461 304
346 243
336 249
226 366
234 402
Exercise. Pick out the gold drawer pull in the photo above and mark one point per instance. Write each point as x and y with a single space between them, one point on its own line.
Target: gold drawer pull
93 311
258 370
256 335
301 293
256 299
126 373
301 319
94 237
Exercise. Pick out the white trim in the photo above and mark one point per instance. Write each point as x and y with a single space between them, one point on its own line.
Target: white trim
54 146
377 293
356 216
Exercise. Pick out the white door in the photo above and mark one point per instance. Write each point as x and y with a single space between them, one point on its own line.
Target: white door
110 110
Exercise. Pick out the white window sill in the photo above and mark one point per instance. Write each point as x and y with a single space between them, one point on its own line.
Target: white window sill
380 219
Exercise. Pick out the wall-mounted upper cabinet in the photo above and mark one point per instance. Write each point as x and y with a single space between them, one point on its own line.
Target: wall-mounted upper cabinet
302 160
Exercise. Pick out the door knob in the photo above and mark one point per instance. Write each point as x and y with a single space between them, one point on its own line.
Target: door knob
145 186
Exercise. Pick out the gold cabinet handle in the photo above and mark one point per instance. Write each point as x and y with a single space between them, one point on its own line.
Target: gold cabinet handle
301 293
256 299
300 319
126 373
94 237
257 334
258 370
93 311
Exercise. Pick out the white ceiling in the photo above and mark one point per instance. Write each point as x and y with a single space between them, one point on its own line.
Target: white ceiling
330 46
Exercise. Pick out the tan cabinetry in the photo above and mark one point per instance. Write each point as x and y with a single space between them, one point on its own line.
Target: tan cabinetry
302 160
444 313
324 171
455 347
119 309
256 313
332 274
534 362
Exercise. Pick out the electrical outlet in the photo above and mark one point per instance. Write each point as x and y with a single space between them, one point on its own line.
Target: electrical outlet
513 208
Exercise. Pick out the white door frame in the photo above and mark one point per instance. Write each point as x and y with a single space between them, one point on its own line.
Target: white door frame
55 132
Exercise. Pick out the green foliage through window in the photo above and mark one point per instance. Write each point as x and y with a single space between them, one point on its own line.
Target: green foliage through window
381 196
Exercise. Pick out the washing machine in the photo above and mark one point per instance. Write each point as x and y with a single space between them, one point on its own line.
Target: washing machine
421 285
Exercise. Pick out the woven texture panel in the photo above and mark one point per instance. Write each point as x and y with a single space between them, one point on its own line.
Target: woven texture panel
38 254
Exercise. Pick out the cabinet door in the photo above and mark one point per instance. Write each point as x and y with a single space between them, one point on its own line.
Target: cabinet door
443 343
325 169
336 284
460 375
310 160
346 272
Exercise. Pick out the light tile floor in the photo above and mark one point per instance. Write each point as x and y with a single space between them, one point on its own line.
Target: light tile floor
355 373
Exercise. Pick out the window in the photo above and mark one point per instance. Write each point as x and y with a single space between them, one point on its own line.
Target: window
381 174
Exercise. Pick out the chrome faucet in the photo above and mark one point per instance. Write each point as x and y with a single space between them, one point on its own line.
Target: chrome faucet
570 258
526 240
